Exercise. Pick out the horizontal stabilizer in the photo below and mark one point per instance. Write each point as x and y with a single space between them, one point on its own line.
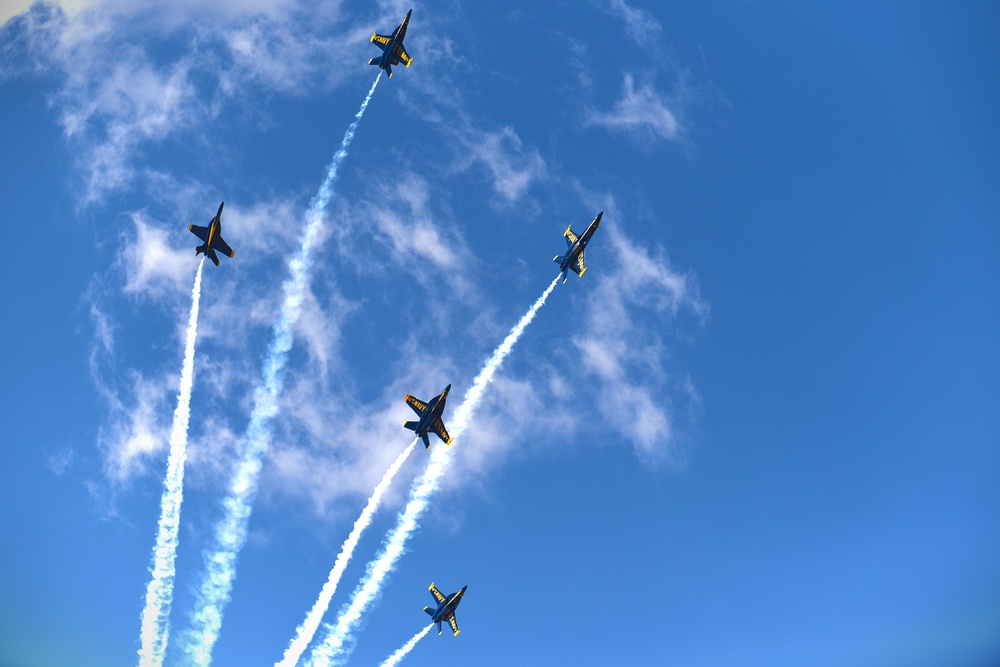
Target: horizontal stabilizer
373 61
410 425
430 612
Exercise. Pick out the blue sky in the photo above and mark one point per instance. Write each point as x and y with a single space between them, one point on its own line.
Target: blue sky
762 429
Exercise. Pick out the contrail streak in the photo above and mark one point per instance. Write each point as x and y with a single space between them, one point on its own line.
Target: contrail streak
231 531
160 590
335 643
304 633
401 652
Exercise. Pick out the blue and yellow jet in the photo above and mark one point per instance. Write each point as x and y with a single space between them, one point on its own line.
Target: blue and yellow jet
430 417
445 608
212 237
573 259
393 52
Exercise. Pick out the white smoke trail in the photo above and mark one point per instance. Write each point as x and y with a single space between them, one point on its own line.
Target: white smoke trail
334 644
231 531
160 590
401 652
304 633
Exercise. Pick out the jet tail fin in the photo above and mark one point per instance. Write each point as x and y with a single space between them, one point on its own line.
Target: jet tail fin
427 442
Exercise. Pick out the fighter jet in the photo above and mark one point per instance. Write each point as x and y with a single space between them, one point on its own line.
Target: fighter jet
573 259
212 236
392 48
430 417
445 608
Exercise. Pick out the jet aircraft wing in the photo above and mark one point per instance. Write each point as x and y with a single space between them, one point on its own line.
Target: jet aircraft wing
578 266
401 53
438 595
381 40
416 404
570 236
199 231
453 622
223 247
438 427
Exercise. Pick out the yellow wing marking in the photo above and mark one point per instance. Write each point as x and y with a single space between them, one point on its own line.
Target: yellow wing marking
403 55
570 235
381 39
579 264
418 404
436 593
440 430
453 623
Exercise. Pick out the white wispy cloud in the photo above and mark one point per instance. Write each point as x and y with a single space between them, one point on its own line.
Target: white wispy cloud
511 167
640 25
136 430
641 112
150 263
60 461
629 331
411 230
119 93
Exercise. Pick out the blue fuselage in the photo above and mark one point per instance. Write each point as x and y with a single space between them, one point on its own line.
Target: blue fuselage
433 410
397 38
449 605
578 246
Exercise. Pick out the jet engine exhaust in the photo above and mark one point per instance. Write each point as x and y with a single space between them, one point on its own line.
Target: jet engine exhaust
401 652
231 531
305 632
160 590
